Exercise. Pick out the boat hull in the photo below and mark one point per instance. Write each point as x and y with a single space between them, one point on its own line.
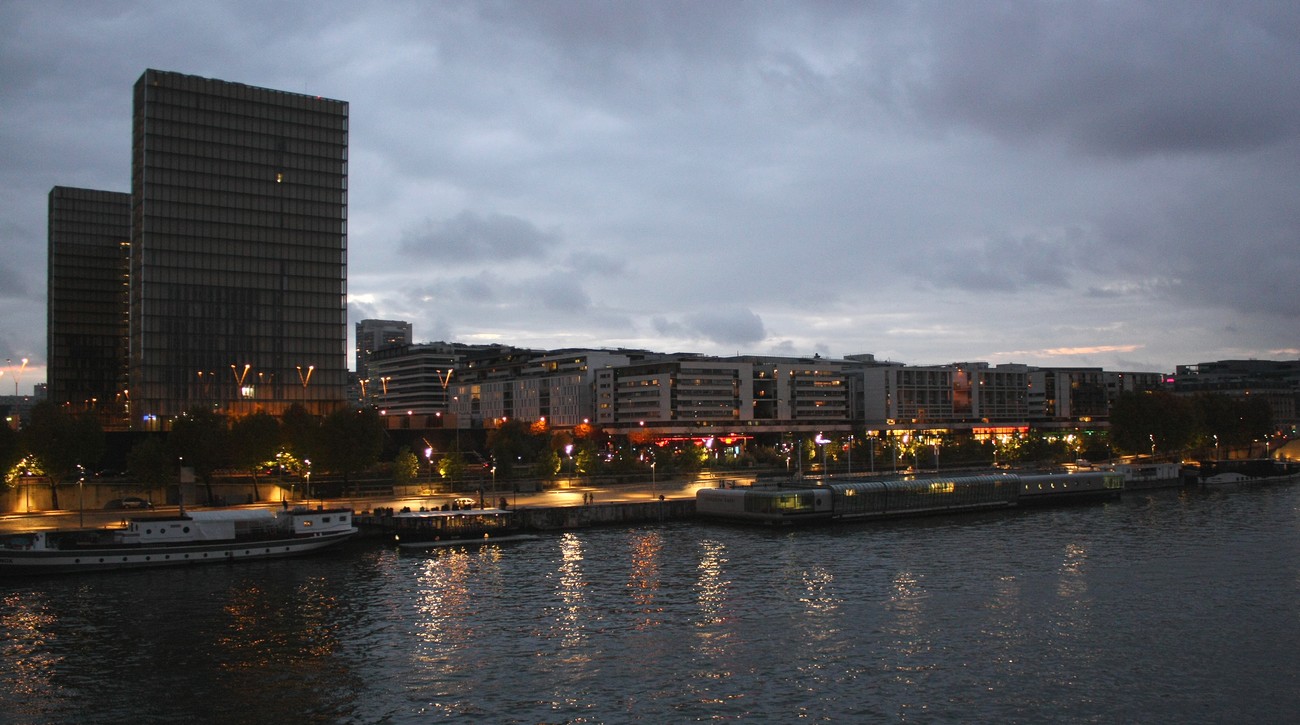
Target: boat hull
112 558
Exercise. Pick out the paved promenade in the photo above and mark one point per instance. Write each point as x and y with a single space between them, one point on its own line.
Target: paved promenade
561 498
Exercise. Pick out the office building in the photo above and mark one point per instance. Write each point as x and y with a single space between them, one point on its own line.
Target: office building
238 249
375 335
86 318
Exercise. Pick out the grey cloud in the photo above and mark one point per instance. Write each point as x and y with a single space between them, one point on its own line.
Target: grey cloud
1006 263
470 237
557 293
720 326
1118 79
12 284
826 163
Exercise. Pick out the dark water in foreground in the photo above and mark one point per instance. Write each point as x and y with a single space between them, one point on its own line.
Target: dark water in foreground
1164 607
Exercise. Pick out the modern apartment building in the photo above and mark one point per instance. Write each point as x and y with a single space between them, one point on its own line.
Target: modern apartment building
675 395
410 383
558 388
1275 381
238 249
87 286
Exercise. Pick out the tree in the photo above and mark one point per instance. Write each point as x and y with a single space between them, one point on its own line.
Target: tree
198 439
1236 422
406 467
547 465
350 442
11 448
1150 421
585 459
62 442
151 463
254 440
515 442
300 432
451 466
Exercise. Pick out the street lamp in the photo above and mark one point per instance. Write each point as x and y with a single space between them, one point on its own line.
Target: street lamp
81 494
18 374
821 441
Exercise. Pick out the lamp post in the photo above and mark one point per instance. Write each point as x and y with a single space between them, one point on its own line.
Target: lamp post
81 495
821 442
850 454
305 379
16 374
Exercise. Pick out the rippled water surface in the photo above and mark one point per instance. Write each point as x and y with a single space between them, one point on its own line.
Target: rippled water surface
1164 607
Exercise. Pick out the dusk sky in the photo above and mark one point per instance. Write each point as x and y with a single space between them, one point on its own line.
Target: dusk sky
1105 184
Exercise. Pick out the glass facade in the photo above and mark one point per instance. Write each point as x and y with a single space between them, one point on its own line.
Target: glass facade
86 344
238 249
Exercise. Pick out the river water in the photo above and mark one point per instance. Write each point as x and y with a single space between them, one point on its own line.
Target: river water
1164 607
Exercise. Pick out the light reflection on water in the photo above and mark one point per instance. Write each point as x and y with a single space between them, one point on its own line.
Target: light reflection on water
1135 611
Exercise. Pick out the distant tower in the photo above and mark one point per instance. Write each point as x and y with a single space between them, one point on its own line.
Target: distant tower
238 249
375 335
86 330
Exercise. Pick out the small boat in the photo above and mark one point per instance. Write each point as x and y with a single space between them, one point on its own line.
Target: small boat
425 529
195 537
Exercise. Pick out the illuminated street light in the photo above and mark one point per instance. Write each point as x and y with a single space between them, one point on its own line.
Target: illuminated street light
17 375
243 390
821 441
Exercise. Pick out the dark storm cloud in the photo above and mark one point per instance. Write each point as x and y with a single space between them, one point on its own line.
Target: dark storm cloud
926 181
470 237
1119 79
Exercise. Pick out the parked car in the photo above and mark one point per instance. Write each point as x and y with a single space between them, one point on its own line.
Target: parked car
464 502
130 502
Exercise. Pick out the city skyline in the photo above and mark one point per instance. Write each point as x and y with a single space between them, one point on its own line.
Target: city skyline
1082 185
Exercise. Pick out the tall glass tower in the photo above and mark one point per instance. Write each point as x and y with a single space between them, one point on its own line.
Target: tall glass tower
238 249
86 352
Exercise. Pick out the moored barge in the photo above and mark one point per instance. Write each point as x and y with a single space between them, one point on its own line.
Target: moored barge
891 498
198 537
425 529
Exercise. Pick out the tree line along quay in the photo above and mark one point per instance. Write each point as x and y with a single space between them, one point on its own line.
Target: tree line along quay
259 457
